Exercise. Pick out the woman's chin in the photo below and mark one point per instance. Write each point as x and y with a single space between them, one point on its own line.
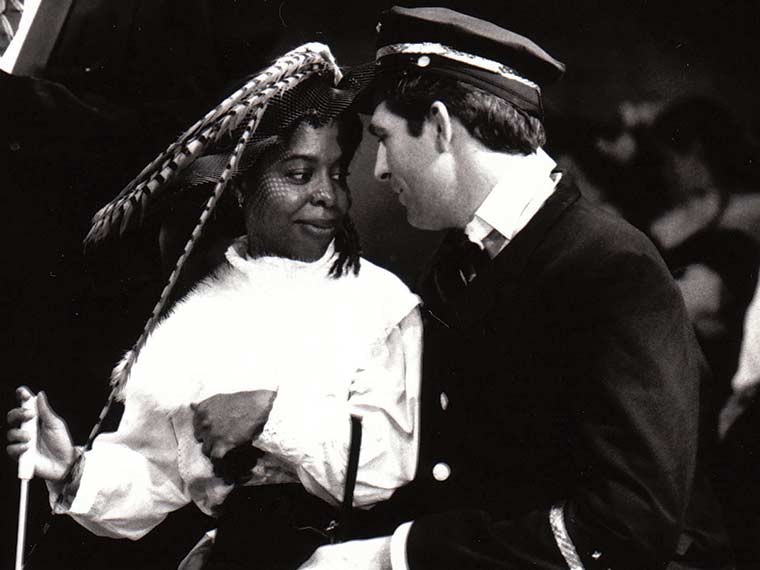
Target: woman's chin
311 254
305 244
311 243
306 252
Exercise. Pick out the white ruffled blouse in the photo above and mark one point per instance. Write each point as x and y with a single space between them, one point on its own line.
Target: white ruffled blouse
330 348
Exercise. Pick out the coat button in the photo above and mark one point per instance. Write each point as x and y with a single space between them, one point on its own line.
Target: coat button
441 471
444 401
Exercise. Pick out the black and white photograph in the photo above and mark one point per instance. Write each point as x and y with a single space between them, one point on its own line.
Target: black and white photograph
380 285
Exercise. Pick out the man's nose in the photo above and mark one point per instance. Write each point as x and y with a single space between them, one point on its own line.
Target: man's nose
382 172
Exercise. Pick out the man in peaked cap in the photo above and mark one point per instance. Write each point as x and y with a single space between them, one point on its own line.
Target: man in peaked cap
561 383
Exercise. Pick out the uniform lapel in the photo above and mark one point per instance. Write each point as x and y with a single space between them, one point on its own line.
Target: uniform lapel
503 273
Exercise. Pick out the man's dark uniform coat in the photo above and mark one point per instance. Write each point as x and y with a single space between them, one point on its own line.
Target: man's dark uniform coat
565 374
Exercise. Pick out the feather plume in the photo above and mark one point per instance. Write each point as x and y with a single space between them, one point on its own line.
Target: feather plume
222 120
120 374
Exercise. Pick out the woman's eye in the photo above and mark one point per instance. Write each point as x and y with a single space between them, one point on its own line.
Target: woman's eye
339 175
299 176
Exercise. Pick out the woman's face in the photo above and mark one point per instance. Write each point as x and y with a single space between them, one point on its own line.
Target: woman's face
294 207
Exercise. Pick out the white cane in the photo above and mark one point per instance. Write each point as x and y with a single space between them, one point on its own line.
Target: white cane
25 472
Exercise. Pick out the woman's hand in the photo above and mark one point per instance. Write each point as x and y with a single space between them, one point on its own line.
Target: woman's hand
55 451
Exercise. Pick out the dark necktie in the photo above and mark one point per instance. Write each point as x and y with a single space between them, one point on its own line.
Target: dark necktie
460 263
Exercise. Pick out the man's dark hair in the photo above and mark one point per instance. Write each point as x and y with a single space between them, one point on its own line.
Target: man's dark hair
496 123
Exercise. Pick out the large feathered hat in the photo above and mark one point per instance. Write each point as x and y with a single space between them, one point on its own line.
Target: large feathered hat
215 147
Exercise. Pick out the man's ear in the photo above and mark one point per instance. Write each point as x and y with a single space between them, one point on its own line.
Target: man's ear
440 120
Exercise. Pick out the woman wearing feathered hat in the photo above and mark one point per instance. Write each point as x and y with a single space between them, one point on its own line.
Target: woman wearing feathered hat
326 344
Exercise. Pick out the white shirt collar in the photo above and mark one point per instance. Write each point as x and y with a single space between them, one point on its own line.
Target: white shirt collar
515 199
237 256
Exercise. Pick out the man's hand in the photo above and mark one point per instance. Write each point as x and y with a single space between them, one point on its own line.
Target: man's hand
372 554
226 421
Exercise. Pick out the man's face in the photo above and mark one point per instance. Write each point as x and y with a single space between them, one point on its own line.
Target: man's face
415 168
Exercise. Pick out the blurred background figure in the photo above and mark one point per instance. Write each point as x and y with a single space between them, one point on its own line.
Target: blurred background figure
747 378
709 171
685 171
708 230
706 164
738 466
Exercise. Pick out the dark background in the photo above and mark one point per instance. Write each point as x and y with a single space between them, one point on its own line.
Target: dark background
126 77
